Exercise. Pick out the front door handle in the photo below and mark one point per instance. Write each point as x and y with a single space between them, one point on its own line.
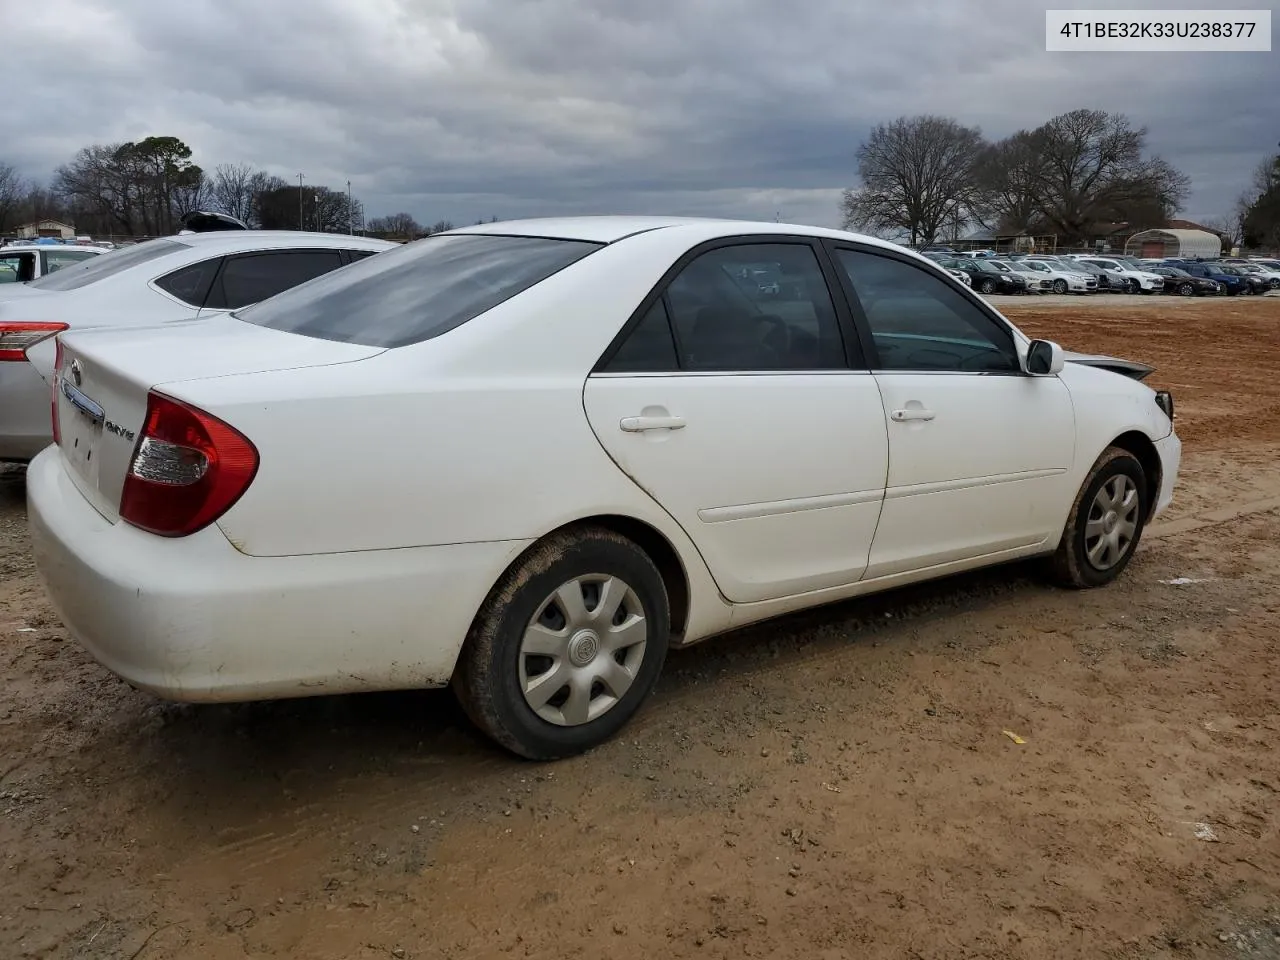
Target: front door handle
912 413
641 424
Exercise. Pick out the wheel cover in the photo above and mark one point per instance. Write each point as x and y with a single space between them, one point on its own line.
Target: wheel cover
582 649
1112 524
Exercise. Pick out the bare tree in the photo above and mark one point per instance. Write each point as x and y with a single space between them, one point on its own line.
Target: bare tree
396 225
263 184
1093 168
440 226
137 188
12 191
232 190
918 174
1261 227
1008 182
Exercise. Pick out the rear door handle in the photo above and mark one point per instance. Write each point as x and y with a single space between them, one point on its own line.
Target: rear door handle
912 413
641 424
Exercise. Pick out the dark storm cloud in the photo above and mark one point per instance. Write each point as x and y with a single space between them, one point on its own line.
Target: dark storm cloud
468 108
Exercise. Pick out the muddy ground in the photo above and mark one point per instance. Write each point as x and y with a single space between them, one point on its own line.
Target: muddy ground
835 785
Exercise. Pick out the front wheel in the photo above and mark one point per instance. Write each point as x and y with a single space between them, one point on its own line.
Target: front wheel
567 645
1059 286
1185 289
1105 523
987 286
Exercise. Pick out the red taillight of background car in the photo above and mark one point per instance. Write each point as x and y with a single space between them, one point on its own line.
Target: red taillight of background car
188 468
53 391
17 335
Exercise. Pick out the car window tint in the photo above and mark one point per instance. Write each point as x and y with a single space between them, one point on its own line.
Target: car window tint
419 290
191 283
57 259
649 347
920 322
17 267
755 307
251 278
355 255
108 264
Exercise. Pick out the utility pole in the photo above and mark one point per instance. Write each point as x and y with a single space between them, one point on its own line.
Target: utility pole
301 225
351 213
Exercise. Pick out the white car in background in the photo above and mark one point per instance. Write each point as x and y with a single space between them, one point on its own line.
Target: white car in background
526 458
24 262
1061 278
175 278
1138 281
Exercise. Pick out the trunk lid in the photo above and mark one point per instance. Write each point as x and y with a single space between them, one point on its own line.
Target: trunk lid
105 376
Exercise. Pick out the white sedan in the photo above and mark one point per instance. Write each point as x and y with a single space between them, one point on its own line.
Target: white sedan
1138 281
1061 278
527 458
174 278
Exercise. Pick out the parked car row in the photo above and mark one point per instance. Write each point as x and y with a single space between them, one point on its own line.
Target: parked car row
1090 273
526 459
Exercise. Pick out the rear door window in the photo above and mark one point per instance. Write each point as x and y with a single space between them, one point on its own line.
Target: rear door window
253 277
417 291
190 284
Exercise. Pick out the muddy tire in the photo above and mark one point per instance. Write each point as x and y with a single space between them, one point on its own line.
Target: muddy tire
1105 524
567 645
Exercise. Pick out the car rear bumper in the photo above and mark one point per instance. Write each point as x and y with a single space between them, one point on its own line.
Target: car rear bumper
26 422
194 619
1170 452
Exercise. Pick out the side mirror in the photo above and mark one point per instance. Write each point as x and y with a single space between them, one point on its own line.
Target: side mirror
1044 358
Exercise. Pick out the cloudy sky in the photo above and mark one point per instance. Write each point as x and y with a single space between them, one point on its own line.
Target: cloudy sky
461 109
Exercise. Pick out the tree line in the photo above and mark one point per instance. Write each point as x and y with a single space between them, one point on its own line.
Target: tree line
1255 219
928 177
145 188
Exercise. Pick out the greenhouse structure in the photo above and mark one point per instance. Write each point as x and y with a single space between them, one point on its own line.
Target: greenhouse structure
1185 244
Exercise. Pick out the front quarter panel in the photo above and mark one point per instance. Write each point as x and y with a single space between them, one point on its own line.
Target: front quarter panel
1107 405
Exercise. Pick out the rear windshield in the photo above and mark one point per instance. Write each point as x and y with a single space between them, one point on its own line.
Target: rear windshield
416 292
74 276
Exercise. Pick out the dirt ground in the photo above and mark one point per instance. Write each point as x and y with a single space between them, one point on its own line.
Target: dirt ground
835 785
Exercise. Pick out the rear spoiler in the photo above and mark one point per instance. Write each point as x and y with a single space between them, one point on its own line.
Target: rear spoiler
1127 368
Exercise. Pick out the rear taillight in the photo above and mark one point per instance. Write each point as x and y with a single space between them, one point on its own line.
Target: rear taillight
16 336
188 468
53 391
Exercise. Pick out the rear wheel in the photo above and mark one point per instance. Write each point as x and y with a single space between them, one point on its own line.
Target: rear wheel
567 645
1105 524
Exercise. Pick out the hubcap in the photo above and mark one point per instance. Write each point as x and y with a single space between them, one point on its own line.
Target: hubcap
1112 524
582 649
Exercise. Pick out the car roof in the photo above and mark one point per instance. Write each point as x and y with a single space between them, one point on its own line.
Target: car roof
610 229
254 239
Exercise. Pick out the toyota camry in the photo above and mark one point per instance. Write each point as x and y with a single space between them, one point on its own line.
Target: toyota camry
526 459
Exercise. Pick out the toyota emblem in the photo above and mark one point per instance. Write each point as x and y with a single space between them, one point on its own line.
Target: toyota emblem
77 374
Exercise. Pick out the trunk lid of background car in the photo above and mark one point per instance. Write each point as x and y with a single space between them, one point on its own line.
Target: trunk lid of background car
106 375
